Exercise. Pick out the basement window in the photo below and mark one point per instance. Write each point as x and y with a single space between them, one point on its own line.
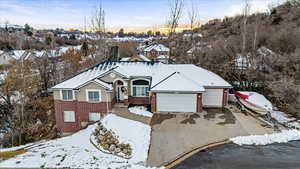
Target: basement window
69 116
94 116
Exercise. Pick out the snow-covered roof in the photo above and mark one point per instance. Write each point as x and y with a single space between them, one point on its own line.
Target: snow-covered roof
177 82
18 54
158 72
157 47
125 59
63 49
162 57
144 58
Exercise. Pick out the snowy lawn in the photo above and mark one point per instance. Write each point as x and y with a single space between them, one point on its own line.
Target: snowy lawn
282 137
140 110
76 151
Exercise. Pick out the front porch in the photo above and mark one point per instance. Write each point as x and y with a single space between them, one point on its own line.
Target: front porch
125 93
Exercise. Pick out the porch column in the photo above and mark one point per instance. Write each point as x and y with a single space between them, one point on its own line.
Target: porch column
199 102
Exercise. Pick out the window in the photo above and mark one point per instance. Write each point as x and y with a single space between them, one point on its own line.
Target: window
67 94
93 95
140 88
69 116
94 116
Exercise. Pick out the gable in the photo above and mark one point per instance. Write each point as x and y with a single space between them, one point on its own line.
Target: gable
110 77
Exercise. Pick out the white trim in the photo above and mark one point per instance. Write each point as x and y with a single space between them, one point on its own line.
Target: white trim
73 95
131 86
93 81
92 90
69 121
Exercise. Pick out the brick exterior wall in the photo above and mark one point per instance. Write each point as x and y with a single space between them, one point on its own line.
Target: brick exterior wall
225 97
139 100
199 102
81 109
153 102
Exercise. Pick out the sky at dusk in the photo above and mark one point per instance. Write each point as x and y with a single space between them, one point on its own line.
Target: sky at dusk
128 14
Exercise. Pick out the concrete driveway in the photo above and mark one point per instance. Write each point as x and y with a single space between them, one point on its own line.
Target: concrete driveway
176 134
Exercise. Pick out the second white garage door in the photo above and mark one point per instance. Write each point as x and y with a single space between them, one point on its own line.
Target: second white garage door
176 102
212 98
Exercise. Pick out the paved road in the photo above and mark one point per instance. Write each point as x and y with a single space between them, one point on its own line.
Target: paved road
231 156
174 135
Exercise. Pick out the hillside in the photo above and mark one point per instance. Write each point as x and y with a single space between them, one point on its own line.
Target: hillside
272 46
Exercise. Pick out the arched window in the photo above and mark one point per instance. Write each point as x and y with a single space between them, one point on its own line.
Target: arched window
140 88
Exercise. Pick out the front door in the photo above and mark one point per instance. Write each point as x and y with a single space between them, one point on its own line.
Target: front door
120 94
120 91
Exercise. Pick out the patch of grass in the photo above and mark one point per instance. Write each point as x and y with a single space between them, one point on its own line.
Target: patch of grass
10 154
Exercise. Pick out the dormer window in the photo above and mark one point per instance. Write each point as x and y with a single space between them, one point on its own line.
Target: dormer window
67 95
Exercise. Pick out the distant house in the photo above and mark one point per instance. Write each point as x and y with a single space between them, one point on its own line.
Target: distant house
7 57
157 50
163 87
261 55
202 47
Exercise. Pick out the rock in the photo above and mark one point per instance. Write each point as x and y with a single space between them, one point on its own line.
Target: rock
112 148
118 150
106 146
98 128
125 151
100 137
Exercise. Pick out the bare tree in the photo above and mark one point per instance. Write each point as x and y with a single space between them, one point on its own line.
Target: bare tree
256 26
176 7
98 26
246 12
193 16
98 20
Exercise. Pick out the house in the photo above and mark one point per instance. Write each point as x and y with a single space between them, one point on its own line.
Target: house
163 87
256 60
155 52
7 57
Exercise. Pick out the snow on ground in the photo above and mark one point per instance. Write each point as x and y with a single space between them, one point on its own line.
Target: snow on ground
135 133
294 124
76 151
282 137
281 117
140 110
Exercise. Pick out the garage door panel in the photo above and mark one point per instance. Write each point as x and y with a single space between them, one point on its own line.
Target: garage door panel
176 102
213 97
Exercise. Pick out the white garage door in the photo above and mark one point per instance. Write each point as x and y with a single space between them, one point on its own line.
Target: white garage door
212 98
176 102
